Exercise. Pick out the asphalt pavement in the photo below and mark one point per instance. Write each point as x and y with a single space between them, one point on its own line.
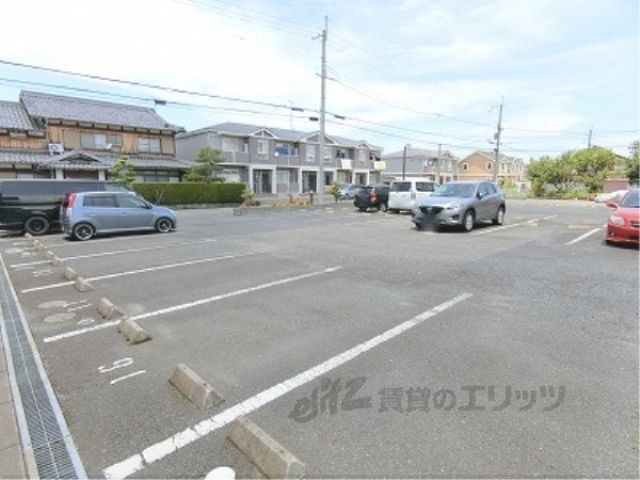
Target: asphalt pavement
508 351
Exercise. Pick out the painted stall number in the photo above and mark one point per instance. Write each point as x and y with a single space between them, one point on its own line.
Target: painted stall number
122 363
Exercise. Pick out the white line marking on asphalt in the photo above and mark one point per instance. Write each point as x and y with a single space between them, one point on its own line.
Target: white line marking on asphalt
497 229
142 270
582 237
119 252
134 374
172 444
216 298
233 294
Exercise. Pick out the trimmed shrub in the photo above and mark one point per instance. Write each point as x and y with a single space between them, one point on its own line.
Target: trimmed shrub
190 193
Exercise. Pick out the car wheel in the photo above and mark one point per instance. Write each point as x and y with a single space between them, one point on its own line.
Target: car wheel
37 226
83 231
362 209
468 221
383 207
419 226
164 225
499 220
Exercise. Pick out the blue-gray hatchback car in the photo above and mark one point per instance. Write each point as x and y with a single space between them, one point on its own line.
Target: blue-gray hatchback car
84 215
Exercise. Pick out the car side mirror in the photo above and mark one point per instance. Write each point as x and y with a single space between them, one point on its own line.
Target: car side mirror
612 204
479 195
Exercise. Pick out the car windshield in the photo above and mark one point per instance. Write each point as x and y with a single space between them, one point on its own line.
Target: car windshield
455 190
631 199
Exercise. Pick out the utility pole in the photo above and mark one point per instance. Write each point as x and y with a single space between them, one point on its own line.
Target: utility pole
590 133
404 161
438 164
323 76
497 149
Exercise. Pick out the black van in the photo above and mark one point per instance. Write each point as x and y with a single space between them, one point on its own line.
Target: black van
33 206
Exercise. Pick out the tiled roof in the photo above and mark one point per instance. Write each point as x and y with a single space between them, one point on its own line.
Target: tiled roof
94 111
244 129
13 116
419 152
82 160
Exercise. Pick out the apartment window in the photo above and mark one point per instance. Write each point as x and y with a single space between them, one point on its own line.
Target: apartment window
311 153
465 166
230 145
285 149
489 165
263 149
362 155
149 145
99 141
283 177
328 153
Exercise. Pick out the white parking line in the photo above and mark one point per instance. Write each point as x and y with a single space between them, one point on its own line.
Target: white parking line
135 272
172 444
175 308
118 252
582 237
497 229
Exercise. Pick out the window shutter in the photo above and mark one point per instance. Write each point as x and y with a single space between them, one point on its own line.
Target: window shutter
71 139
167 146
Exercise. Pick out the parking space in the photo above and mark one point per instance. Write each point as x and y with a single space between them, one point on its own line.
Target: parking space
286 312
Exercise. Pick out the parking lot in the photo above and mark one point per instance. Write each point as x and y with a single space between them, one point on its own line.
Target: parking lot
364 347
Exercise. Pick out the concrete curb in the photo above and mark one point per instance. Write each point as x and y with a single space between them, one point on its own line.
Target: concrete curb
199 392
82 285
108 310
133 332
69 273
55 261
49 255
263 451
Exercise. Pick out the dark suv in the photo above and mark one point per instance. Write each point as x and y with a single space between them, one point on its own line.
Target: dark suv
32 205
372 196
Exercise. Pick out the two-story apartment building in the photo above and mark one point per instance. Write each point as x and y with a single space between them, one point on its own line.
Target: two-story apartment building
420 162
54 136
274 160
481 165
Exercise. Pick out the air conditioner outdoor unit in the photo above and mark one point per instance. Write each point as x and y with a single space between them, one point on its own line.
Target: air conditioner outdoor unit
56 148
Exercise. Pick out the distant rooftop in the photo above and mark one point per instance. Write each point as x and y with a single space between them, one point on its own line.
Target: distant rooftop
44 105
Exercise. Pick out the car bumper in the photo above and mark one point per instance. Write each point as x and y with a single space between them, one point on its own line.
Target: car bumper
441 218
622 234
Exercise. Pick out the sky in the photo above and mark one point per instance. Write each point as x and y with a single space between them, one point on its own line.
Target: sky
426 73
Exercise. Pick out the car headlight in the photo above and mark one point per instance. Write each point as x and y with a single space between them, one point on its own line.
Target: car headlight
455 206
616 220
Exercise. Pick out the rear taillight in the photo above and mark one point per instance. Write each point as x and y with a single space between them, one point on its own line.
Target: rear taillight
373 196
72 199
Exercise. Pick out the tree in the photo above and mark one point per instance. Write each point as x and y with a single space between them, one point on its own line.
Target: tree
632 169
208 163
122 171
592 165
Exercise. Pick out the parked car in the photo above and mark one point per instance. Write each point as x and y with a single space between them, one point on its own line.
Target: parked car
461 203
404 194
87 214
623 225
348 190
610 196
33 205
372 196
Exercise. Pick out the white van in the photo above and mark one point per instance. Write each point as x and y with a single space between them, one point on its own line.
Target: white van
404 194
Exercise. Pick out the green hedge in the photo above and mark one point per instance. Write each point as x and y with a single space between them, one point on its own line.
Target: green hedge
189 193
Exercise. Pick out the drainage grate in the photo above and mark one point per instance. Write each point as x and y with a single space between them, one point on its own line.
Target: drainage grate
54 453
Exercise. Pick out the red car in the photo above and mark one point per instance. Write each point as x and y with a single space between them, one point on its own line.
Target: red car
623 225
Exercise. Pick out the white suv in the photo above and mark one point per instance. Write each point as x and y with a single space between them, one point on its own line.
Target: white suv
405 194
